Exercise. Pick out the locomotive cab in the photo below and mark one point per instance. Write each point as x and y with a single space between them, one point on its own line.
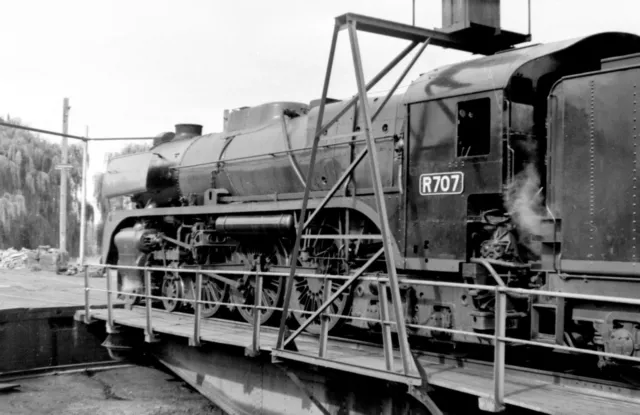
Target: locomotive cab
477 146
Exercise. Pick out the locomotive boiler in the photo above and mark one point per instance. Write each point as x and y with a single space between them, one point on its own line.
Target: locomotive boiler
526 158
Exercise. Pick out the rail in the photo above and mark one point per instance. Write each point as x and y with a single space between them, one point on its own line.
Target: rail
498 338
63 370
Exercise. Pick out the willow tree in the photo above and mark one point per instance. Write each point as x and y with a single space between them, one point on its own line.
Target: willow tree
30 189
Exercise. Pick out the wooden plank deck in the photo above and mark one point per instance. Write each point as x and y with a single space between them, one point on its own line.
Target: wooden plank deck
523 391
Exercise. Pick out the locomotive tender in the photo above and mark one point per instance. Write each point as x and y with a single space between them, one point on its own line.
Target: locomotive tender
527 157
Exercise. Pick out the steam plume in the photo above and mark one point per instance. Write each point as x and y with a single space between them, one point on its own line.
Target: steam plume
523 201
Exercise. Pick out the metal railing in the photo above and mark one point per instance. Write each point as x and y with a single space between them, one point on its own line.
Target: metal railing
499 338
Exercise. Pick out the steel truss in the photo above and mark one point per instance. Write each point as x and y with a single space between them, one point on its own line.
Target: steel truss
353 23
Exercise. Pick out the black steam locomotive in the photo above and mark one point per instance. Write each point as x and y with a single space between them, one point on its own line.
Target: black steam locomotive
526 157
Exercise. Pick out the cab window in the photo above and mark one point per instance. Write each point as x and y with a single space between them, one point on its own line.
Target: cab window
474 127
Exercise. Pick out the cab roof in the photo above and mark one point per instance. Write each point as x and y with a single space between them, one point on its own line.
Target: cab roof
497 71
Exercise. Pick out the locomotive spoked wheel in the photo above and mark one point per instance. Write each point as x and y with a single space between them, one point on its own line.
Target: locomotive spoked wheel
212 290
173 288
272 287
308 293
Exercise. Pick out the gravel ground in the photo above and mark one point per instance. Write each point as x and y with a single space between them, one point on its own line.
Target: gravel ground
129 391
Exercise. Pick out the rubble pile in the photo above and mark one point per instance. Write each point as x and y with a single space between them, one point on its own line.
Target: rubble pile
12 258
43 258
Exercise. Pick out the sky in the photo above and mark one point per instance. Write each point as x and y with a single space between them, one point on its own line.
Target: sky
137 68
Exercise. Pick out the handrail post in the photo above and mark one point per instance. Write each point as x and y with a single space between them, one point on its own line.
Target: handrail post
496 403
149 337
83 228
87 307
324 325
195 340
110 327
387 341
257 296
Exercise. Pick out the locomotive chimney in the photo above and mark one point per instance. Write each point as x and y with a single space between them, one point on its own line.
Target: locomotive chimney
184 131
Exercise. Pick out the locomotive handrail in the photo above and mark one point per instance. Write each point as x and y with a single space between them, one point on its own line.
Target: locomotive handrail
287 144
284 152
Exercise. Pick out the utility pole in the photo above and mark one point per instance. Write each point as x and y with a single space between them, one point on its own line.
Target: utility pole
83 204
63 176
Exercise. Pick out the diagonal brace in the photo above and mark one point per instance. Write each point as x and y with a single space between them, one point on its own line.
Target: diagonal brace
345 175
307 190
296 380
343 178
334 296
314 149
352 101
405 351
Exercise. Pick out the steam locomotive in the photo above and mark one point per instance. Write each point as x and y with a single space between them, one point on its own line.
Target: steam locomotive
527 158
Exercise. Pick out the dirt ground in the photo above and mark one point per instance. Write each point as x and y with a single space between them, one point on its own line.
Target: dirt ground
129 391
21 288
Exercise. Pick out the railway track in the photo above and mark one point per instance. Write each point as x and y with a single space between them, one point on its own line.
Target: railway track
17 375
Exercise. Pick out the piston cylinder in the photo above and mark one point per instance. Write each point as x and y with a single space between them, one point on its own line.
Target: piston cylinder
255 224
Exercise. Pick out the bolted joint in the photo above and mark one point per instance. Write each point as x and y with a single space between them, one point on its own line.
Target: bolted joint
112 329
249 351
488 404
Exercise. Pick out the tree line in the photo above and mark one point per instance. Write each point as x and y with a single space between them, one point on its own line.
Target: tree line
30 192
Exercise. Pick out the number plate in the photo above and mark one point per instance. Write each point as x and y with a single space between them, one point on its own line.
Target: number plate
442 183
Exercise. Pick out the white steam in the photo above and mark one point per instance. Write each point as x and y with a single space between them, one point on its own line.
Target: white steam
523 201
130 285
